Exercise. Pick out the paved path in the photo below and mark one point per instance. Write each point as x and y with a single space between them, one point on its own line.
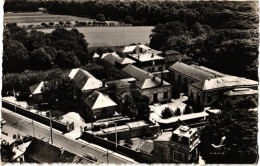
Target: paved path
25 125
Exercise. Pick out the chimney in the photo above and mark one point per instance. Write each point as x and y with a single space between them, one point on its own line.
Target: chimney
138 56
152 55
162 78
103 83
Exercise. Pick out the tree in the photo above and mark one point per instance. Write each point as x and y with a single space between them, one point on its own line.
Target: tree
44 24
68 23
6 152
63 90
61 23
187 110
128 19
51 24
177 112
137 105
40 59
66 60
100 17
15 56
167 113
247 103
240 129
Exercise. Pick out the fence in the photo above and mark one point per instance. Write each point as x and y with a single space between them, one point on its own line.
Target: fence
39 118
138 156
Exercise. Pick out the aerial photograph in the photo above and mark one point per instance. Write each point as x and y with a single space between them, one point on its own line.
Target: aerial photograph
129 82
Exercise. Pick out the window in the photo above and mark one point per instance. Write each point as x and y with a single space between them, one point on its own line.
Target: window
198 98
173 76
209 100
191 95
179 79
178 156
160 68
40 97
179 139
186 82
165 94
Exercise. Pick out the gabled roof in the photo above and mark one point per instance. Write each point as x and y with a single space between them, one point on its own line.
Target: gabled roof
144 57
112 58
43 152
98 100
121 84
224 82
176 57
129 49
144 79
191 71
241 91
125 61
147 146
84 80
36 88
96 55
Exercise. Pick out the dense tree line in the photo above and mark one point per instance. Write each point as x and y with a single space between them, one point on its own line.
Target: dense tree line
224 38
237 128
40 51
144 12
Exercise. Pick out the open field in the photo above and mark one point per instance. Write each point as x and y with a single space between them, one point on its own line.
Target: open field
36 18
113 36
96 36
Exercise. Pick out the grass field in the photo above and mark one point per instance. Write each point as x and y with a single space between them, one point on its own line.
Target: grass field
36 18
113 36
96 36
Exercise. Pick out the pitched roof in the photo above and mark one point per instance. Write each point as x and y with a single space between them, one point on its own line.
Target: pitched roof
113 58
144 57
224 82
121 84
84 80
98 100
176 57
128 49
96 55
191 71
147 146
145 79
241 91
44 152
36 88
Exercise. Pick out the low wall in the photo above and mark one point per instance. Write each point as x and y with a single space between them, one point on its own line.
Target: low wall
39 118
138 156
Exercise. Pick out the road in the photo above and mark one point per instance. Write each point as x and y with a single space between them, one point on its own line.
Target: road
25 125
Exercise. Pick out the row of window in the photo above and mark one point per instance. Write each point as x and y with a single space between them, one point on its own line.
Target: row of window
209 98
165 94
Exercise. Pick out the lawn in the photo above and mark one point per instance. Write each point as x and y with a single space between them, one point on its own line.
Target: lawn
36 18
113 36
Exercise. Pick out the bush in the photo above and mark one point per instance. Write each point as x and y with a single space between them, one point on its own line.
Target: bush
177 112
167 113
187 110
247 103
